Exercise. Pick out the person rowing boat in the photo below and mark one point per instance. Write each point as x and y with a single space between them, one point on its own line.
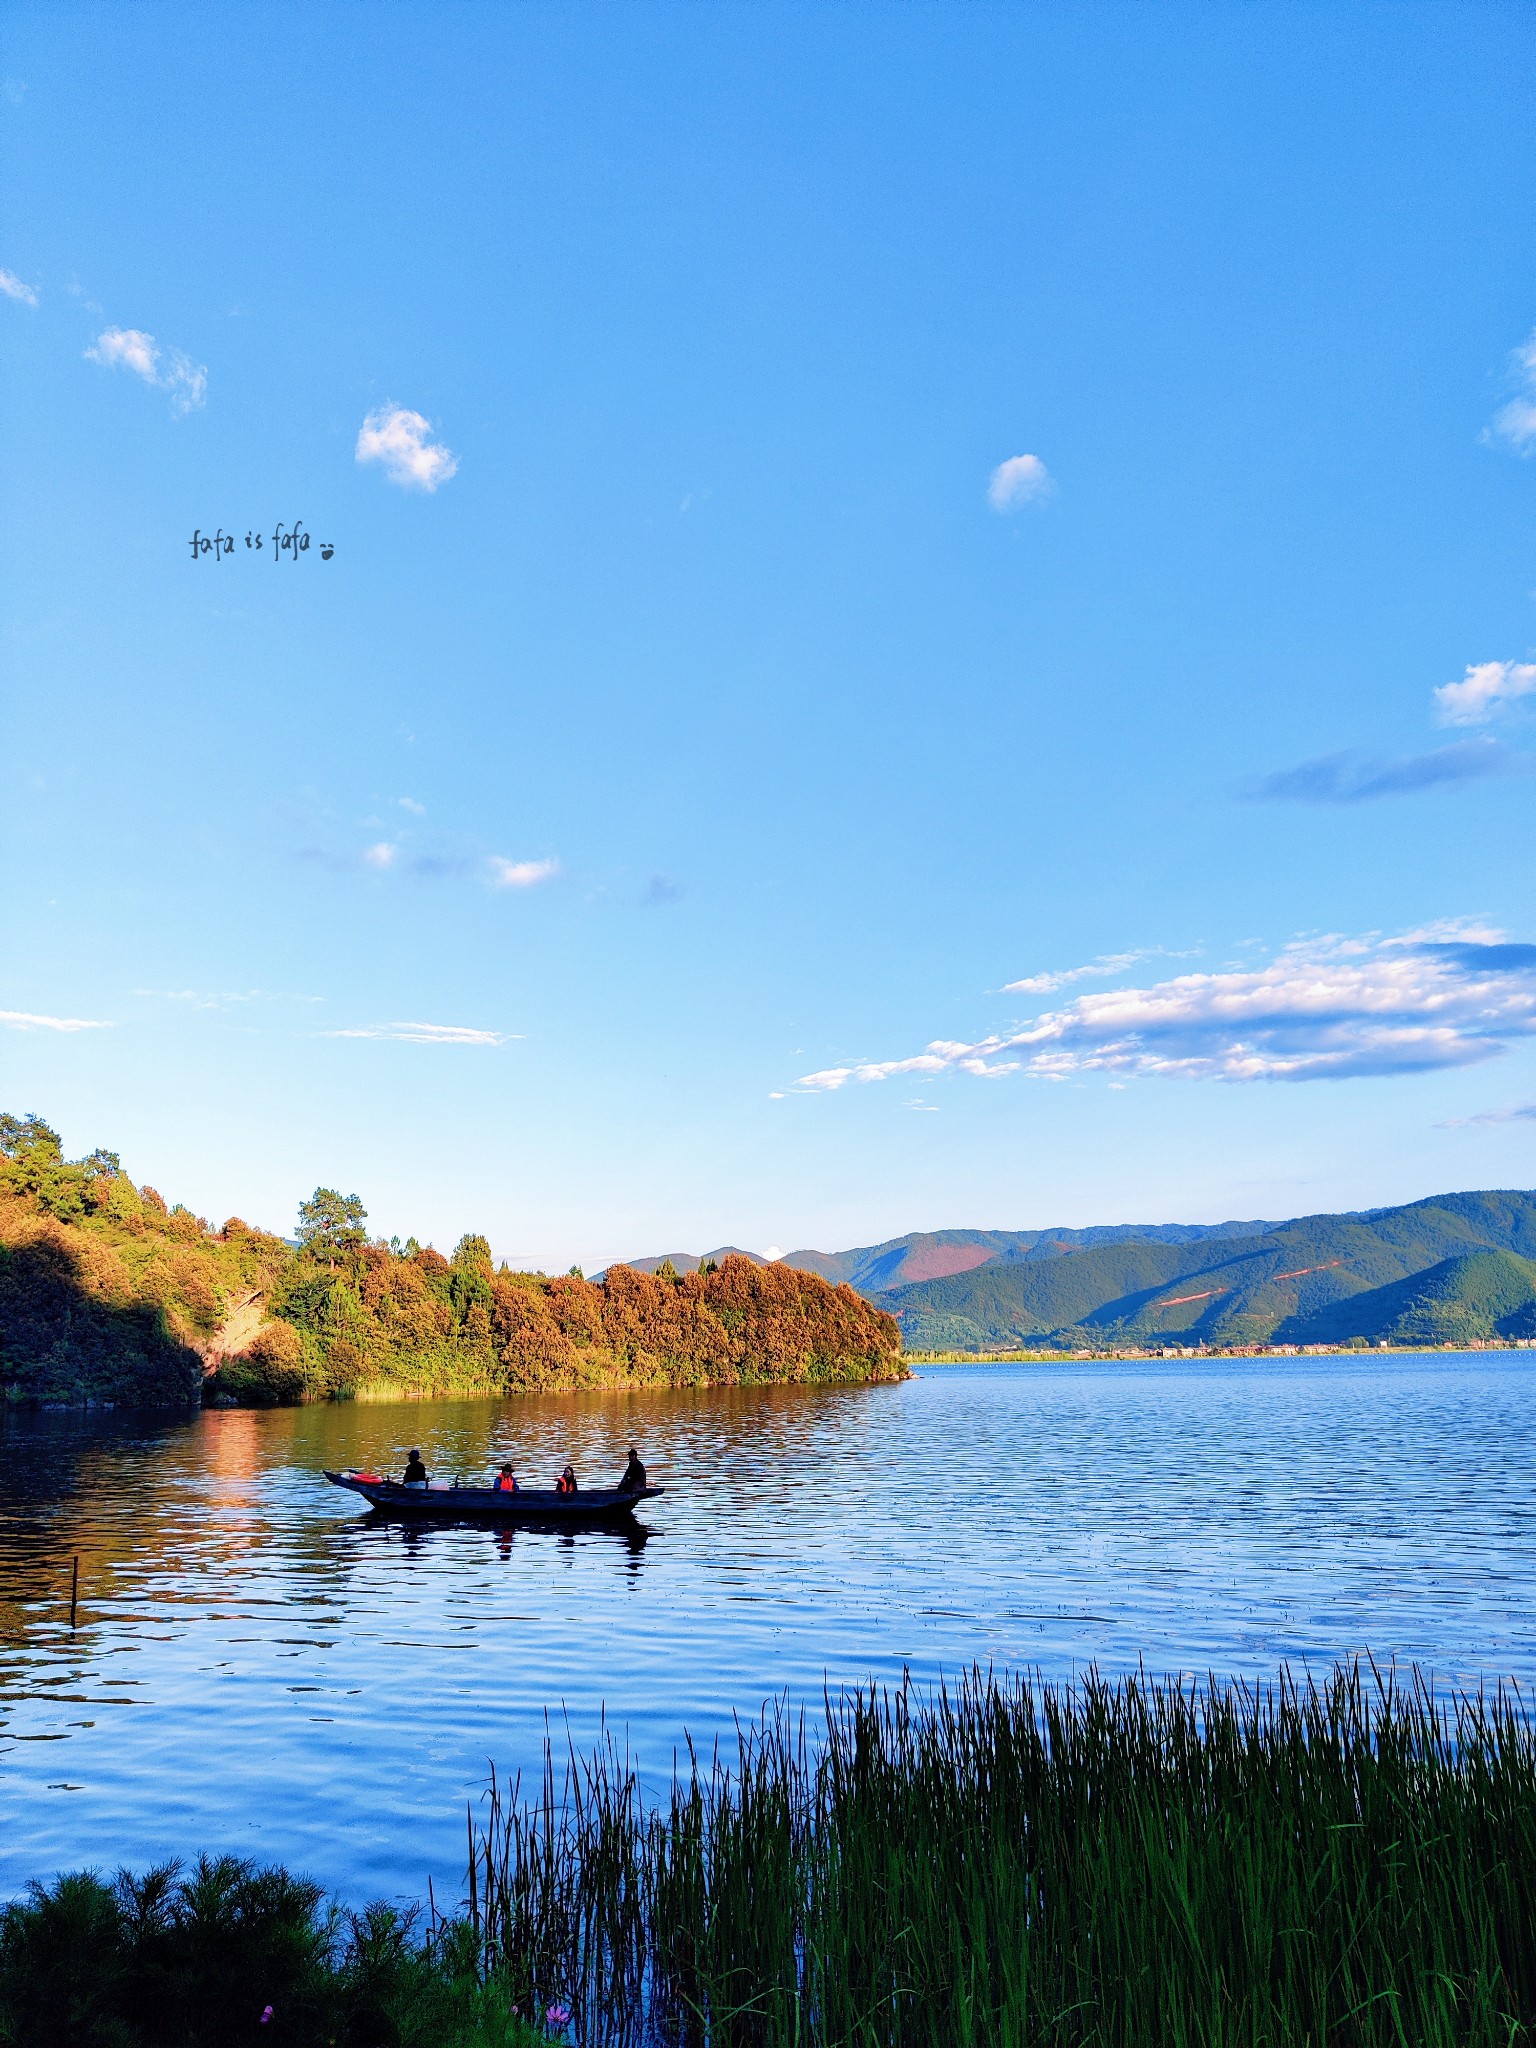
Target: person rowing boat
633 1480
495 1497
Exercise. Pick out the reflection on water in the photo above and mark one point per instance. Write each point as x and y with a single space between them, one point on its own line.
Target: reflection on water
261 1664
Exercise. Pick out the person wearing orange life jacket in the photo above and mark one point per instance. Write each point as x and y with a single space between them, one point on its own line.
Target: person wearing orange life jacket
566 1483
506 1480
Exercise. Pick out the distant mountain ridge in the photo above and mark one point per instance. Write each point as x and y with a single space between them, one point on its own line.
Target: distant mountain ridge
690 1262
935 1254
1462 1264
1458 1263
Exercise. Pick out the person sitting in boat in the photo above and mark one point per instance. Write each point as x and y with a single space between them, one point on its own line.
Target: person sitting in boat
566 1483
415 1471
634 1474
506 1480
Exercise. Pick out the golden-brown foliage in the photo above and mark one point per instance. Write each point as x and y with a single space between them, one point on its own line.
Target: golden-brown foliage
106 1292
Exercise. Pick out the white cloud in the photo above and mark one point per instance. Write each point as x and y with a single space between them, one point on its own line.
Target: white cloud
1324 1009
1021 480
1096 970
381 855
409 803
520 874
130 348
1487 689
24 1020
427 1034
774 1252
400 439
12 286
127 348
1516 422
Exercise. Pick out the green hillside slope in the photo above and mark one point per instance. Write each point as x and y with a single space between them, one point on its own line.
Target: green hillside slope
1464 1300
1249 1290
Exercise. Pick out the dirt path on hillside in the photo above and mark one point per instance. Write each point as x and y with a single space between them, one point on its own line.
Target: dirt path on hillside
237 1333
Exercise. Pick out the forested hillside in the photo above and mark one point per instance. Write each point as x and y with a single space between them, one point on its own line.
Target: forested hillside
107 1293
1456 1265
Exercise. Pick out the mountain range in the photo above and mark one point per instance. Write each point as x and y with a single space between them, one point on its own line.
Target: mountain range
1455 1268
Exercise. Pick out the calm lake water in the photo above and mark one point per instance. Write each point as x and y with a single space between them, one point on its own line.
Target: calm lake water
261 1666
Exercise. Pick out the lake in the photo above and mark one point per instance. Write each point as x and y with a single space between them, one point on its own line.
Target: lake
261 1666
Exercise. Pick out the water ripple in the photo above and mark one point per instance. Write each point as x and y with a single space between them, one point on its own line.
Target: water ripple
311 1684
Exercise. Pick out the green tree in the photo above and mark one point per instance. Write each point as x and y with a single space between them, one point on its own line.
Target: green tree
29 1141
469 1281
332 1224
34 1165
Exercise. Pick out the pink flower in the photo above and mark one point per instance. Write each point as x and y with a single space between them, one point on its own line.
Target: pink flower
266 2015
557 2016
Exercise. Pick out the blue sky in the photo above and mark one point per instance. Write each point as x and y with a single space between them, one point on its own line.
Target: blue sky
682 806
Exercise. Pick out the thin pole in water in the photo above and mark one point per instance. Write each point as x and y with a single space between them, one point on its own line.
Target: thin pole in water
74 1594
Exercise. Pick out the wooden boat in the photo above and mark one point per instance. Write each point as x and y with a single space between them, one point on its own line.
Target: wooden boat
528 1504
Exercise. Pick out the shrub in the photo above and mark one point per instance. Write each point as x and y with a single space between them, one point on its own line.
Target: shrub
272 1370
231 1955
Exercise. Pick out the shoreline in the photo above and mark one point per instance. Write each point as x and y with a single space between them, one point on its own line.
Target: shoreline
1149 1355
384 1393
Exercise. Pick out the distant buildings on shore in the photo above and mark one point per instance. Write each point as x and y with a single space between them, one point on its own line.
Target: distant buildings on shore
1215 1351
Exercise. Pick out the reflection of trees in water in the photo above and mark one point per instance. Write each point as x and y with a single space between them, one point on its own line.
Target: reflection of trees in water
86 1486
188 1510
168 1509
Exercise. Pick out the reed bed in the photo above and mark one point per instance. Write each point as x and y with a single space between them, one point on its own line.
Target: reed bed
1347 1863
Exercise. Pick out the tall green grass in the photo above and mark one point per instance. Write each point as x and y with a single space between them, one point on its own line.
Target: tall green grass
1341 1863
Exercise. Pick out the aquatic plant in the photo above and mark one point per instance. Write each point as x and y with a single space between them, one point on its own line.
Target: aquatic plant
1349 1862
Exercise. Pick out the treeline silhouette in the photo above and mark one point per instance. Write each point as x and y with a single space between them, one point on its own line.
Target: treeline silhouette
107 1293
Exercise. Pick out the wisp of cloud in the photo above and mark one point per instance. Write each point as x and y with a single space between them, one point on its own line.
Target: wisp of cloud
1516 422
519 874
27 1020
1351 778
130 348
426 1034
